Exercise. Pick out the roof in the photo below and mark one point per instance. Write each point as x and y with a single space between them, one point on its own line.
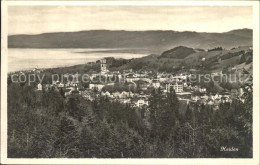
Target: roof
74 92
155 81
141 82
175 82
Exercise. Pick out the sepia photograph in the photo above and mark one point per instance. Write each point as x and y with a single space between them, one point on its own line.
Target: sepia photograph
120 81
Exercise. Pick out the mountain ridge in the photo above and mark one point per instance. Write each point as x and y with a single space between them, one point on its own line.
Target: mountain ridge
154 39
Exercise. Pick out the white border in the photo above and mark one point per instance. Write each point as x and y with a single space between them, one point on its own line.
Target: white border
4 52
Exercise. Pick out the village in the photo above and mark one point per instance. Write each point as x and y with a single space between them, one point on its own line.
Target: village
134 88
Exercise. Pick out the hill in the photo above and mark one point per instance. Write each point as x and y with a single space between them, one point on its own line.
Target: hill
179 52
154 40
202 61
241 32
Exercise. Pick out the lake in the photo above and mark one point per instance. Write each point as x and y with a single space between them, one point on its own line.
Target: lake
25 59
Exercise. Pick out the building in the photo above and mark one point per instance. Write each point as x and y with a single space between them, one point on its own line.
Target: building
241 91
226 99
187 101
47 87
141 102
116 94
177 86
176 78
195 98
142 84
125 101
215 96
103 65
96 86
124 94
106 94
205 97
67 92
210 102
39 86
130 78
203 90
156 83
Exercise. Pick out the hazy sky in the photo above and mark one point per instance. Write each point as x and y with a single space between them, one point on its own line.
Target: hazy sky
41 19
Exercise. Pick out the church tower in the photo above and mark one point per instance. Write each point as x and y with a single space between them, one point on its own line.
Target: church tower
103 65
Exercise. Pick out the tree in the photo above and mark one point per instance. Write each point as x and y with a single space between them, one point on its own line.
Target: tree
88 143
73 108
67 144
62 93
189 115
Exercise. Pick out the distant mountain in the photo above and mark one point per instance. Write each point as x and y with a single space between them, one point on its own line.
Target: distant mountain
242 32
179 52
155 40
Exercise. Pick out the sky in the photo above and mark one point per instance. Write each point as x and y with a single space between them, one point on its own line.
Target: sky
43 19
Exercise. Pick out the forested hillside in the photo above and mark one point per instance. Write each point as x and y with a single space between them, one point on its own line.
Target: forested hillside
45 124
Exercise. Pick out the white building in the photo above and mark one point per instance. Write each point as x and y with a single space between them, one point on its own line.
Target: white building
116 94
105 94
156 83
241 91
131 94
141 102
61 85
216 96
96 86
195 98
130 78
177 86
203 90
125 101
210 102
205 97
124 94
39 86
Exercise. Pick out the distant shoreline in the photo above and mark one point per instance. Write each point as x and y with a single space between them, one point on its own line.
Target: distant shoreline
133 51
78 59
